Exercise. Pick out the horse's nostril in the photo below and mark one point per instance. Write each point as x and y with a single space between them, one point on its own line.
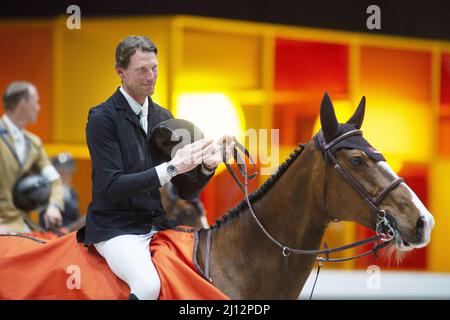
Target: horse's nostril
420 225
420 229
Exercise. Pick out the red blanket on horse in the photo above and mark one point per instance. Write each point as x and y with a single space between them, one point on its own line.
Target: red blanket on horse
65 269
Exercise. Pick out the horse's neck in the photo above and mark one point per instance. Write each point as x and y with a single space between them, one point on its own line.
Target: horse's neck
245 264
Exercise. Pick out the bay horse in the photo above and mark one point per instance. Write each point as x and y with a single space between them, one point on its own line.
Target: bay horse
264 248
338 175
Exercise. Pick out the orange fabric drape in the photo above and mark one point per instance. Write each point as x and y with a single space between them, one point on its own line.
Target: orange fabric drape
65 269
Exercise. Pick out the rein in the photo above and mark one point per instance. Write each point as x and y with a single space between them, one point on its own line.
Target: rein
385 232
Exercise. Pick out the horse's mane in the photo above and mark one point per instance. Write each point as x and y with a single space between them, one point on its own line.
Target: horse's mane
261 191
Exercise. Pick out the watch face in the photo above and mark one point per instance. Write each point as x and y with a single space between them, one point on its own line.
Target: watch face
172 170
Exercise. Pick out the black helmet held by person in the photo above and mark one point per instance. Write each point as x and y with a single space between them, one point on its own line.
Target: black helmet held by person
31 192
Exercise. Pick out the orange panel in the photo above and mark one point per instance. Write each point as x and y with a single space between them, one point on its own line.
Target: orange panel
27 55
445 79
311 66
304 70
82 183
444 136
387 73
444 120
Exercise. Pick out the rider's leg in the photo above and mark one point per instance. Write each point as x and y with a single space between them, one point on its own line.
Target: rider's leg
128 256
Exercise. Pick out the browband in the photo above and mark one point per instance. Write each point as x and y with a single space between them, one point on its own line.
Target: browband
326 146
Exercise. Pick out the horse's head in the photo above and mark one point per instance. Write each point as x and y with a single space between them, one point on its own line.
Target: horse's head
360 185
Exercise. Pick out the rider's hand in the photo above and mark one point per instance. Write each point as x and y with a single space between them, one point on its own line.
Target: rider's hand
191 155
52 217
213 156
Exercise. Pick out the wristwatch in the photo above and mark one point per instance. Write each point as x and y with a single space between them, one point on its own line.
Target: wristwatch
172 170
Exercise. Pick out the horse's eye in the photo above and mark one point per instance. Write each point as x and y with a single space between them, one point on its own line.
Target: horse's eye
356 161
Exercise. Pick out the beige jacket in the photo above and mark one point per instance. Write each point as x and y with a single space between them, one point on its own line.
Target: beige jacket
11 170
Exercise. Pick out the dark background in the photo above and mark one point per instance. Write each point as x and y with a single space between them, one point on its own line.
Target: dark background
424 19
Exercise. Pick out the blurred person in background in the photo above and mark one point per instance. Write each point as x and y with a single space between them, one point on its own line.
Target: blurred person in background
22 153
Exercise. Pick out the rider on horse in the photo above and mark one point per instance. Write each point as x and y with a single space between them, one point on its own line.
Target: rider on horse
127 171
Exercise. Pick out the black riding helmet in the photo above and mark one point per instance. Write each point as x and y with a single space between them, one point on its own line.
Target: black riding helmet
31 192
173 133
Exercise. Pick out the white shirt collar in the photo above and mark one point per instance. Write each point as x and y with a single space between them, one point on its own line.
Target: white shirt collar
15 131
136 106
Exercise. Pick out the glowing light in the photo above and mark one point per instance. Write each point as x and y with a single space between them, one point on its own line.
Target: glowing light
215 113
400 129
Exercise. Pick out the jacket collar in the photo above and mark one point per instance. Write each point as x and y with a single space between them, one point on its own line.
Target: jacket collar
6 136
121 103
136 106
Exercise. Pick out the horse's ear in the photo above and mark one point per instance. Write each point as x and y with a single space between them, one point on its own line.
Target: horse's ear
328 118
358 116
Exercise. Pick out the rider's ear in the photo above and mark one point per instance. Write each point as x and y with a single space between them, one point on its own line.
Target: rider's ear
358 116
328 118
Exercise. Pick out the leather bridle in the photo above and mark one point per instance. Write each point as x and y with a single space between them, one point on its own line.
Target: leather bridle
384 223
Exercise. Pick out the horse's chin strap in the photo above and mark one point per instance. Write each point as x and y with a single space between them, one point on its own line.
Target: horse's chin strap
325 188
325 148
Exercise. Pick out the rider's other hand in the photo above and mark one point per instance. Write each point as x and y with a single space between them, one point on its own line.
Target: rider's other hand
190 156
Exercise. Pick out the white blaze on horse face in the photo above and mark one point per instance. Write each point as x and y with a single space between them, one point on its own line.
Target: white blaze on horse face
424 213
427 218
204 222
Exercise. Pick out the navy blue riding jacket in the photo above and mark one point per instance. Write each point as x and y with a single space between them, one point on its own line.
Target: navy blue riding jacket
125 185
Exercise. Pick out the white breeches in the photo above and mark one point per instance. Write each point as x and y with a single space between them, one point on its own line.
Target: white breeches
128 256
